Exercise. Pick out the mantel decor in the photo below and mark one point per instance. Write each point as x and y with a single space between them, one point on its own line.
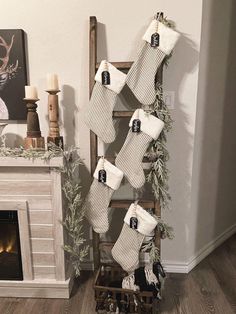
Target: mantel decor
34 138
13 74
53 115
53 110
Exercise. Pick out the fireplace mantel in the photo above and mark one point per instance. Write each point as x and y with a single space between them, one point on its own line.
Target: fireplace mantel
33 188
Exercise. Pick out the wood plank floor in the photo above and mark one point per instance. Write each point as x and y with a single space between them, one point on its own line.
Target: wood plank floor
209 288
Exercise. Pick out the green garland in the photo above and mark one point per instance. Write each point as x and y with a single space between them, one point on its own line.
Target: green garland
158 154
158 174
73 222
32 154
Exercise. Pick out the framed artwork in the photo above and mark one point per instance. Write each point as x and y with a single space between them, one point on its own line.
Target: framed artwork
13 74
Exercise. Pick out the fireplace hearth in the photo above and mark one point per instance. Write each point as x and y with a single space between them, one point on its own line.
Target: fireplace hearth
31 233
10 254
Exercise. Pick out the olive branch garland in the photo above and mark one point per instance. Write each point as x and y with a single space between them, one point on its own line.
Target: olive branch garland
158 154
158 174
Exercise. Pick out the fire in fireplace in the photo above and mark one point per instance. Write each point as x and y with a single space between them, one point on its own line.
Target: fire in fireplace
10 255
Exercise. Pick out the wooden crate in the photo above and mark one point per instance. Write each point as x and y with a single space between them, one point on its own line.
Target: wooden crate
107 294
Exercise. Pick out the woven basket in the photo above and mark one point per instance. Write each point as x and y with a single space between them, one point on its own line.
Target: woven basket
108 297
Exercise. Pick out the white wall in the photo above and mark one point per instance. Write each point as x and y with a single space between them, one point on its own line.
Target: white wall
57 34
213 186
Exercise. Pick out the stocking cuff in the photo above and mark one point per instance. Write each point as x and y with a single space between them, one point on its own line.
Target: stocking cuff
146 223
150 124
114 175
117 77
168 37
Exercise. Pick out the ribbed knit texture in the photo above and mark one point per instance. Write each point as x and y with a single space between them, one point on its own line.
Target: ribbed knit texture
96 206
98 115
129 159
141 76
127 247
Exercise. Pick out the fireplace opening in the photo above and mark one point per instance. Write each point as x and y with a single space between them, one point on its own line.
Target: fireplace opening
10 254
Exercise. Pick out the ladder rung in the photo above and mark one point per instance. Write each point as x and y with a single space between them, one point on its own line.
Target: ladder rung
112 159
119 65
109 158
126 203
106 244
122 114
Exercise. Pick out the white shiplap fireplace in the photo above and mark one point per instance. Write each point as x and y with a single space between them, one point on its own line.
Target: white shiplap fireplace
33 189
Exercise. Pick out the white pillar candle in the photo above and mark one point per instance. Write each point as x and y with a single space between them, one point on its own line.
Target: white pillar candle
52 82
31 92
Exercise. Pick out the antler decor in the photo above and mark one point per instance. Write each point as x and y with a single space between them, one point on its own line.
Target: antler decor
4 67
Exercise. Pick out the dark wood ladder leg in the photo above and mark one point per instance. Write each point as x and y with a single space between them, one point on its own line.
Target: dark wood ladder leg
93 137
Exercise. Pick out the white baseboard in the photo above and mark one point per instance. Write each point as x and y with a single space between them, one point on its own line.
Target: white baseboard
47 289
186 267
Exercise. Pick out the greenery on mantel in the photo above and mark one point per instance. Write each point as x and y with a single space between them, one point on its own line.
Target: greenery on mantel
73 222
30 154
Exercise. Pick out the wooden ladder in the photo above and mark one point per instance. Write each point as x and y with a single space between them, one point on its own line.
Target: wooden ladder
123 66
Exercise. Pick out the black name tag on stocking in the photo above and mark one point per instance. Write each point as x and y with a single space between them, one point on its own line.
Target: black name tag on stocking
155 40
133 223
136 125
102 176
106 80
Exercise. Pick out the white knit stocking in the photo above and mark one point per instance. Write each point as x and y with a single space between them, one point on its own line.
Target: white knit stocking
99 196
141 76
127 247
130 157
98 114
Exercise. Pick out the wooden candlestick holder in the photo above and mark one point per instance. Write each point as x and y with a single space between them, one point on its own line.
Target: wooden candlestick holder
53 113
34 139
